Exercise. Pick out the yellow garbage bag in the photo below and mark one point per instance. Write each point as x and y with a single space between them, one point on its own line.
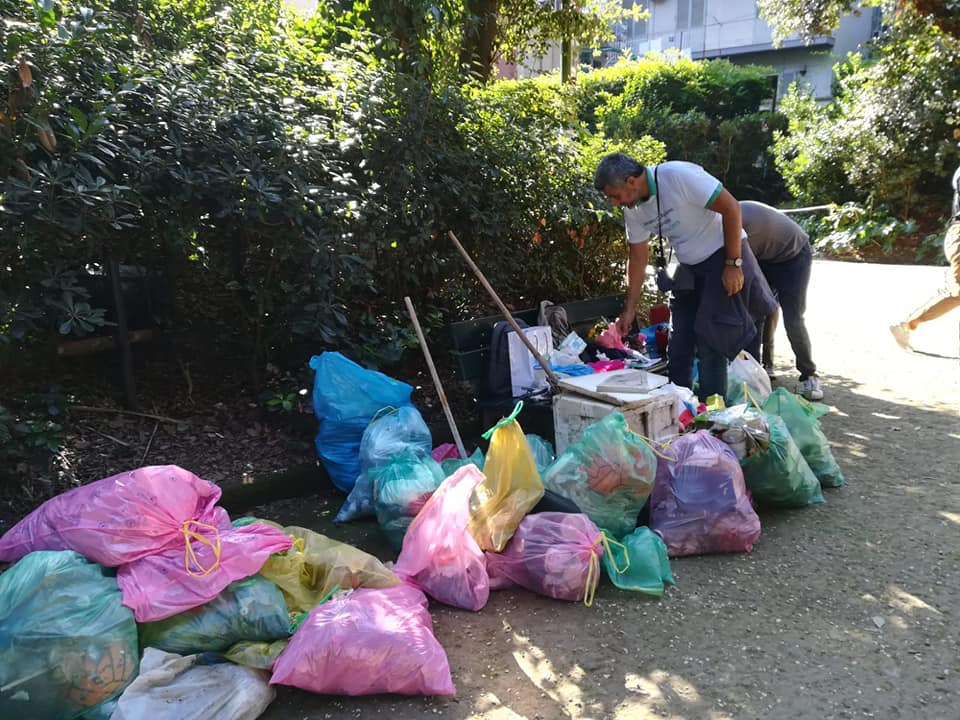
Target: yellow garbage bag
255 653
316 564
511 488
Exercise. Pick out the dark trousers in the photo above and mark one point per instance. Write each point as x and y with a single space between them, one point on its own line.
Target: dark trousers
789 281
697 292
683 349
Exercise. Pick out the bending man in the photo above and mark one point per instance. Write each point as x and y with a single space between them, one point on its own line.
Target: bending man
715 312
783 250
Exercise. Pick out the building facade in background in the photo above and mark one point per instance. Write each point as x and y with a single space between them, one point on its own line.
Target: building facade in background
732 29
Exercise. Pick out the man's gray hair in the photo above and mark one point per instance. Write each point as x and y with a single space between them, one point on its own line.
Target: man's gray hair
614 169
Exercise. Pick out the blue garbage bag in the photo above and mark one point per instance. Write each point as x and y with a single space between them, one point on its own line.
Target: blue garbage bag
67 643
391 432
346 397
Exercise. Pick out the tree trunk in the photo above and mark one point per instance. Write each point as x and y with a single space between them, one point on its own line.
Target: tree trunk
479 33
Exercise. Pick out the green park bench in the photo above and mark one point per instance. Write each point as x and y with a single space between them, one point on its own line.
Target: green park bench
470 343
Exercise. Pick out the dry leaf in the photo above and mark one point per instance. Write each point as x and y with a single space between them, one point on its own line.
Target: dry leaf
26 77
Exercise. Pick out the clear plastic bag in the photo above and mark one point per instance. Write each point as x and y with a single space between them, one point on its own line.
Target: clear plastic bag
67 643
439 554
316 565
608 473
400 490
392 431
510 488
744 368
251 609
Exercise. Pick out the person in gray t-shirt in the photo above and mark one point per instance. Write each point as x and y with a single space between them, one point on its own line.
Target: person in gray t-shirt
783 251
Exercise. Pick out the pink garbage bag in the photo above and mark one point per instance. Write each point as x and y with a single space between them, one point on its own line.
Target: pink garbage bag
119 519
446 451
371 641
439 554
552 554
699 503
192 574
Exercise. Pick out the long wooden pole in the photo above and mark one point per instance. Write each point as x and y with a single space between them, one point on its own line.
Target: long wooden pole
436 378
551 376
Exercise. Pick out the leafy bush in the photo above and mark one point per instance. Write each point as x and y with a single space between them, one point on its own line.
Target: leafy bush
703 112
31 431
851 226
887 132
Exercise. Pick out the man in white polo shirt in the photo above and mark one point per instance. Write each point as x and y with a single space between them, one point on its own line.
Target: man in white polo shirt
715 316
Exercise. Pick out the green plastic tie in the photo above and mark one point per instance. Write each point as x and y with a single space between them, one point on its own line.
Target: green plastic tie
390 410
295 625
504 421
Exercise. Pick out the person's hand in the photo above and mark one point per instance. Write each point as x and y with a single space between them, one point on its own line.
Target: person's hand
625 321
732 279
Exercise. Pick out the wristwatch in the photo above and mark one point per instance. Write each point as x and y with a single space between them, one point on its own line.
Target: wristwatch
734 262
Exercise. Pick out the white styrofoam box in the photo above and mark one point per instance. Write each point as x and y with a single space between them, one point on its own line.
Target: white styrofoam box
524 379
653 417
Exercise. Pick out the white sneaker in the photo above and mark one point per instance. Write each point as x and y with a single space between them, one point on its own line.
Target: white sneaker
810 388
901 333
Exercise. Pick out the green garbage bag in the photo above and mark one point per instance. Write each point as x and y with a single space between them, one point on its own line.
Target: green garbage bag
801 420
543 453
776 473
641 565
67 643
400 489
257 655
608 473
451 465
250 609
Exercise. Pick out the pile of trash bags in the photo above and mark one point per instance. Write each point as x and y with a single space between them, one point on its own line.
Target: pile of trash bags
138 596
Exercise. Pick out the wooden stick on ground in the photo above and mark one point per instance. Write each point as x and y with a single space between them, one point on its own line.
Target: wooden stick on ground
551 376
146 450
159 418
436 378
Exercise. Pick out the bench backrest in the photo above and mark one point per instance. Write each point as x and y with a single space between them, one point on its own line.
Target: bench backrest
470 339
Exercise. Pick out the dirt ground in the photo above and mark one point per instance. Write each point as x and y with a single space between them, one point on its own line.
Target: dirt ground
843 610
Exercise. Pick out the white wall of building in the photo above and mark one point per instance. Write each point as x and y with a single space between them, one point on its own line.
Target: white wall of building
732 29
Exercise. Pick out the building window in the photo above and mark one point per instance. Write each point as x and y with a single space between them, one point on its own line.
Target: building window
690 13
630 30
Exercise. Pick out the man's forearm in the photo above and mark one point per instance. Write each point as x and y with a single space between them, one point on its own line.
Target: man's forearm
732 239
636 274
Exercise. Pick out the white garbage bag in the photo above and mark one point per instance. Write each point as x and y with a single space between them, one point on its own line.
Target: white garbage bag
174 687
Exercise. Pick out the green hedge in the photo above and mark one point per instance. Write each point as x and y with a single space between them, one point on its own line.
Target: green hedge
703 112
